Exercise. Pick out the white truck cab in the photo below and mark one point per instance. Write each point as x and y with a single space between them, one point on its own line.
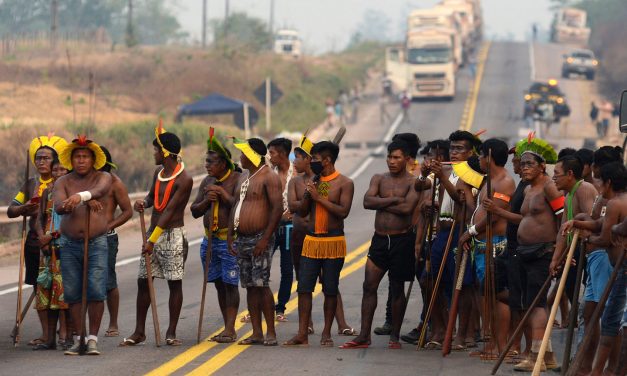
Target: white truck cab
287 42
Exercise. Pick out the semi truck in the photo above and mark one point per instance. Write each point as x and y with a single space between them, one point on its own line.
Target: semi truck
569 26
287 42
444 22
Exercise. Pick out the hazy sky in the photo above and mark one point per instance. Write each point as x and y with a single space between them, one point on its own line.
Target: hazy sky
327 24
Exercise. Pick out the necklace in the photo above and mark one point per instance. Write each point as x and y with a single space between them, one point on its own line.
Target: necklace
226 176
43 184
242 196
159 206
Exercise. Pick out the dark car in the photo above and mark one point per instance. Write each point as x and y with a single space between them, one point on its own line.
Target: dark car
580 62
546 92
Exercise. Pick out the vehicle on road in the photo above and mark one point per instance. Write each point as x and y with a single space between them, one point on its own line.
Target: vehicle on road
582 62
569 26
542 93
287 42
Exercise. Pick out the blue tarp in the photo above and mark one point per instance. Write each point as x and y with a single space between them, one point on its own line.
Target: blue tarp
218 104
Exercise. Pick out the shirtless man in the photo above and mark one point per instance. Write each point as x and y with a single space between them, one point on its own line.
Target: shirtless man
392 196
614 186
42 151
279 151
255 218
218 188
84 185
167 242
586 156
327 202
503 187
117 197
541 211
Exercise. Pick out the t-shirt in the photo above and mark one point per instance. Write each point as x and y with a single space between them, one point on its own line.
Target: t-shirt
515 204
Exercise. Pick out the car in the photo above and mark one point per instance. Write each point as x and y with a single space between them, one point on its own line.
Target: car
581 62
546 92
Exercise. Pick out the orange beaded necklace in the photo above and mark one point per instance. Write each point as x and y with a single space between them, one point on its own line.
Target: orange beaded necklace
159 206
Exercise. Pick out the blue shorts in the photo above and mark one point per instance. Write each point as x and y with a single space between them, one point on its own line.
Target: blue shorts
615 306
499 244
598 270
223 265
437 254
112 245
72 268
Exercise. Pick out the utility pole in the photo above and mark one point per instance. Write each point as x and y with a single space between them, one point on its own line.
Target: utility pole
226 18
204 23
271 24
54 7
130 30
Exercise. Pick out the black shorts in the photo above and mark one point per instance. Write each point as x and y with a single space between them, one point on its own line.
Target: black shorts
533 274
396 254
500 272
31 263
514 284
310 270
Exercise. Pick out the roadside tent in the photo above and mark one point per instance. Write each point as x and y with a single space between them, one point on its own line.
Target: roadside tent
218 104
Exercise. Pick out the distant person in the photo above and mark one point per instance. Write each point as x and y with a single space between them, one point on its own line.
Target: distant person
405 103
330 110
594 114
339 112
354 102
384 115
472 66
606 110
534 30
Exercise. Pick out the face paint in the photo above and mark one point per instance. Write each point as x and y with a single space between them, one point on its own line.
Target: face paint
316 167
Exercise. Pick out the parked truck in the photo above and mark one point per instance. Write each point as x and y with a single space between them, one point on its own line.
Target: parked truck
569 26
287 42
444 22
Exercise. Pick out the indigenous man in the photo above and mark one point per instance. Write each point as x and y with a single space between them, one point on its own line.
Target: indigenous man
586 156
613 188
541 211
42 151
393 197
167 242
117 197
493 158
84 185
328 203
279 151
255 219
218 188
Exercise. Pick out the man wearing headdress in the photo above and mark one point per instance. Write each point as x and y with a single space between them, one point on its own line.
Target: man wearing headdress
79 196
218 188
117 197
167 243
541 214
42 151
327 202
255 218
279 152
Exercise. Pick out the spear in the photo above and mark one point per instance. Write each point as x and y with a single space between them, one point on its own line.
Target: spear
82 347
206 271
151 288
20 279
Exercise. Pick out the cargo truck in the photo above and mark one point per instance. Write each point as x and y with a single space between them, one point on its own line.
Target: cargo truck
569 26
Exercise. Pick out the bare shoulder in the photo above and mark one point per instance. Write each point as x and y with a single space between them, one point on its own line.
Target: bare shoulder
270 177
345 181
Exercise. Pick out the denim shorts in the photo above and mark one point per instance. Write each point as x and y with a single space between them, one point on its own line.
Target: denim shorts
72 268
112 245
598 269
615 306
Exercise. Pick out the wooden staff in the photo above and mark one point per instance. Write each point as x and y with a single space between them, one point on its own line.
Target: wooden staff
460 261
206 271
556 304
82 346
576 364
151 288
436 287
20 278
489 286
24 311
572 319
411 283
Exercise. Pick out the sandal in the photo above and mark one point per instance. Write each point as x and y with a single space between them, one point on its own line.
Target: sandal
458 348
131 342
245 318
270 342
251 341
489 356
433 345
310 330
224 338
112 333
36 341
295 343
349 332
280 317
44 346
394 345
173 342
326 342
355 345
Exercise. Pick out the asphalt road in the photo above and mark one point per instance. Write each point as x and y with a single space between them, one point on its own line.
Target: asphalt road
498 108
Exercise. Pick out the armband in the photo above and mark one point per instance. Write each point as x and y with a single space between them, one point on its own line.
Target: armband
473 230
20 198
558 205
502 196
156 233
85 195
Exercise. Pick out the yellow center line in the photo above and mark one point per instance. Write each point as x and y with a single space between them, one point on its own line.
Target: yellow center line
195 351
468 117
228 354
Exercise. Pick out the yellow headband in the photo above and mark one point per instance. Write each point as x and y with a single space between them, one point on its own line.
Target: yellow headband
245 148
54 142
305 145
159 130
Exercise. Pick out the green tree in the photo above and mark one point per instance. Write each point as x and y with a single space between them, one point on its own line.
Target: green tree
241 31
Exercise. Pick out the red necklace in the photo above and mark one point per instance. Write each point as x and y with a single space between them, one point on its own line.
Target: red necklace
168 190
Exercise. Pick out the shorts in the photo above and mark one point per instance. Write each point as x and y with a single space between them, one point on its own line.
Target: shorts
437 254
31 263
499 244
223 265
167 260
112 245
615 306
71 257
254 271
296 249
327 269
514 284
599 271
533 274
394 253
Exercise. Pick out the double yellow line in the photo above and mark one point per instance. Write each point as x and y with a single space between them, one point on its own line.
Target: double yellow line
468 116
232 350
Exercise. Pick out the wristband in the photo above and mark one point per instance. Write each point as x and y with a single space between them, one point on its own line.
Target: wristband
85 195
156 233
473 231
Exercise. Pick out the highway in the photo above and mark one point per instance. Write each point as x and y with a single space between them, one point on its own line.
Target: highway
493 103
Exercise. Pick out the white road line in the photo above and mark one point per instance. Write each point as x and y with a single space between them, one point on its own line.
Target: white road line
532 61
126 261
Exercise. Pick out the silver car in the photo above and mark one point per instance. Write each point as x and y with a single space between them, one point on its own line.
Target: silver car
580 62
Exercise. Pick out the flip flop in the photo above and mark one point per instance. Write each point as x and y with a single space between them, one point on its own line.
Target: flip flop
112 333
35 342
349 332
270 342
251 341
244 318
294 343
131 342
223 338
173 342
280 317
489 356
476 353
394 345
458 348
433 345
355 345
310 330
44 346
326 342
